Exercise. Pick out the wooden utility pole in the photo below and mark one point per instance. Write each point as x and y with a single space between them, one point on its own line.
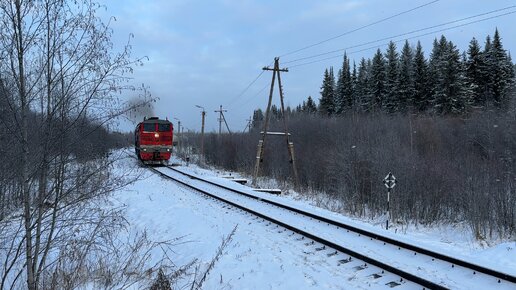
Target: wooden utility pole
261 144
222 118
202 135
178 136
180 139
203 114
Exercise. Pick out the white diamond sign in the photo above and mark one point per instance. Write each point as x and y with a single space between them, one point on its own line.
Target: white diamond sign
389 181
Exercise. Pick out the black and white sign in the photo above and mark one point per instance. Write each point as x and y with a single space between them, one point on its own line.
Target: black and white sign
389 181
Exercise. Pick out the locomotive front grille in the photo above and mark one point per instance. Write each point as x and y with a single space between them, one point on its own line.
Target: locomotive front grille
156 148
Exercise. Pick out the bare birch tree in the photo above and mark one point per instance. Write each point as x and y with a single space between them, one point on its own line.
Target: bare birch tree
57 57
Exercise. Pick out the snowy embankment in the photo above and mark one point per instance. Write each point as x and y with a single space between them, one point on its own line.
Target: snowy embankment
258 257
453 240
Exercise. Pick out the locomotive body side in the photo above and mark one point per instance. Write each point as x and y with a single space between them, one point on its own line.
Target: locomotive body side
153 140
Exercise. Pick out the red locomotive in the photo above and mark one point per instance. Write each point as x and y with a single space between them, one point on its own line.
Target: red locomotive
153 140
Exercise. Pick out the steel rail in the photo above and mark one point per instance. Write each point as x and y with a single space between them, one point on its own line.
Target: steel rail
436 255
405 275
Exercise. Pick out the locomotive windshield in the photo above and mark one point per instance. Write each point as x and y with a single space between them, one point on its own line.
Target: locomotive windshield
163 127
149 127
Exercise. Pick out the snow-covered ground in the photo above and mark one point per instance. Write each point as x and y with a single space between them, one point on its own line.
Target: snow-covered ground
259 256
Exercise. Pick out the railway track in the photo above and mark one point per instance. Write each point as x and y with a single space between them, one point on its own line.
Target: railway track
469 269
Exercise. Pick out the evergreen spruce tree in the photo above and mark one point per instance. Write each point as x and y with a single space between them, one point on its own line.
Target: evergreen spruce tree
474 75
377 82
486 89
362 87
391 101
469 88
460 94
288 111
275 112
258 118
343 94
327 100
434 75
447 78
301 108
339 94
501 72
311 107
421 90
355 98
406 90
513 71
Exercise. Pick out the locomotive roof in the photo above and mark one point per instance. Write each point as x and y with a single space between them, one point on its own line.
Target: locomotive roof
156 120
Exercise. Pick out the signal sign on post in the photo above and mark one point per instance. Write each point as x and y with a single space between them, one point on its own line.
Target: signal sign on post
390 182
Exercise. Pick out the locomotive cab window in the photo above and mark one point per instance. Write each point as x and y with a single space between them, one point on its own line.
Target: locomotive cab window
163 127
149 127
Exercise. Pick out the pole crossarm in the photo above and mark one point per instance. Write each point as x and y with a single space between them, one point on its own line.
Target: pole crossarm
273 69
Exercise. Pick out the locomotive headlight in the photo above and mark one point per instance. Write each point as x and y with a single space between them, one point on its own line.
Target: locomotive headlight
156 135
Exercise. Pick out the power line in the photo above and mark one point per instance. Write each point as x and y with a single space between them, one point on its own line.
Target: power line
250 97
359 28
335 37
246 100
416 36
375 41
260 91
404 34
247 87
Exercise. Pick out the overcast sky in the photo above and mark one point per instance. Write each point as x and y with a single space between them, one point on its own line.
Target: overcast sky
207 52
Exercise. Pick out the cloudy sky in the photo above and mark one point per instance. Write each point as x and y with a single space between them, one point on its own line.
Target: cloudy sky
207 52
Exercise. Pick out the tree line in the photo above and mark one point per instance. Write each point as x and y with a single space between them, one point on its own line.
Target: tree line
448 82
449 169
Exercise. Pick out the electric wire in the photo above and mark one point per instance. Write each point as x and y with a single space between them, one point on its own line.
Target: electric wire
359 28
397 41
250 84
260 91
247 87
403 34
371 42
332 38
246 100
